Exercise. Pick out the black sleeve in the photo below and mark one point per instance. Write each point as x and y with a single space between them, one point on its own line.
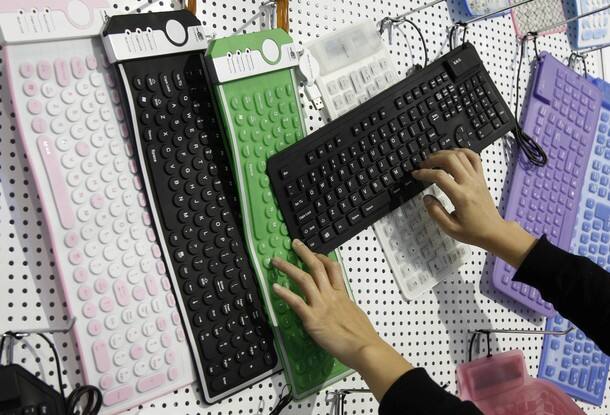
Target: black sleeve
578 288
414 393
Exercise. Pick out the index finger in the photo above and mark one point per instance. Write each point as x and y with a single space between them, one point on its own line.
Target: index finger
448 161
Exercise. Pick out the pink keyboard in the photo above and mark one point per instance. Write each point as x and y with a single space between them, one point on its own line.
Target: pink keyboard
500 385
130 337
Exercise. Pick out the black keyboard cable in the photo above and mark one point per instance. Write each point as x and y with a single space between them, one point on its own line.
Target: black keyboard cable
392 21
531 149
92 395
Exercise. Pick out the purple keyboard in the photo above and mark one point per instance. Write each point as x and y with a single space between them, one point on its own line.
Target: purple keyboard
561 115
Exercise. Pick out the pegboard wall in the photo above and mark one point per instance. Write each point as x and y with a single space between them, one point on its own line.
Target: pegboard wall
431 332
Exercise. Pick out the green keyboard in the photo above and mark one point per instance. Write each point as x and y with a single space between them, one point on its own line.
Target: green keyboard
255 88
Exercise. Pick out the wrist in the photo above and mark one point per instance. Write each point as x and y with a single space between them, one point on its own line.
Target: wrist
510 242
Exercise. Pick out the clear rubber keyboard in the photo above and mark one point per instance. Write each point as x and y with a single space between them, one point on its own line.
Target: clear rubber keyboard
419 254
593 30
132 345
482 7
531 17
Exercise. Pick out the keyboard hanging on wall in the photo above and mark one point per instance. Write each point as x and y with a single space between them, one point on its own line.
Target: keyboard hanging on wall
560 113
532 17
72 127
256 89
191 189
573 361
418 253
356 169
593 30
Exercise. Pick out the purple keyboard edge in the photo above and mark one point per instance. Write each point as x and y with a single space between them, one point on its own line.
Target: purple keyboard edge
529 118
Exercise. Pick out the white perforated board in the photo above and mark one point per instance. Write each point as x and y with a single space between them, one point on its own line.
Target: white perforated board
431 332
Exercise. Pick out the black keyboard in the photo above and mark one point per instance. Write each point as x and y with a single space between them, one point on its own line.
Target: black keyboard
356 169
191 189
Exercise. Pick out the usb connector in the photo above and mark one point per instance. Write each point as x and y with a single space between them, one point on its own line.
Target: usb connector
310 70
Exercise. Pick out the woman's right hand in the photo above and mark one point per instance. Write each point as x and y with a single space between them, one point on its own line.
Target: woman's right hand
476 220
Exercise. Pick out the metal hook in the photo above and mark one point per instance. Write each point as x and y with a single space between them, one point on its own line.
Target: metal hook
401 17
28 332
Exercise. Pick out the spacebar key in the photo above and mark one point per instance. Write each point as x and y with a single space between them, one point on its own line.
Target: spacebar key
375 204
58 187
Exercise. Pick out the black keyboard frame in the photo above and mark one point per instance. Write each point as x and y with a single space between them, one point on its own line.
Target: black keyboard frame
288 167
204 356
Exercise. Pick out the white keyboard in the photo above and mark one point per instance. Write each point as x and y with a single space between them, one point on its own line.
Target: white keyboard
419 258
131 342
354 66
420 255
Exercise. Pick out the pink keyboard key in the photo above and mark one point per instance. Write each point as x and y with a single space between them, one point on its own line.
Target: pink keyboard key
137 183
75 257
34 107
180 334
150 234
121 293
175 318
161 324
94 327
71 239
165 283
45 70
26 70
78 67
106 304
62 73
83 149
146 220
138 293
91 62
80 274
106 382
97 201
150 382
123 128
100 356
118 395
30 88
89 310
84 292
171 301
56 181
101 285
141 200
120 114
133 166
172 373
166 340
136 352
151 286
161 267
39 125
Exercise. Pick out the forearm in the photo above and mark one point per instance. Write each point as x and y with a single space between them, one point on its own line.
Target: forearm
510 242
380 366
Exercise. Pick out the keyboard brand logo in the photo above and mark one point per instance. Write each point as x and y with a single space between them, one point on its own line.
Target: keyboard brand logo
456 61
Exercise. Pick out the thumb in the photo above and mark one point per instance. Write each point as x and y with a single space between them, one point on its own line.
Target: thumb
439 214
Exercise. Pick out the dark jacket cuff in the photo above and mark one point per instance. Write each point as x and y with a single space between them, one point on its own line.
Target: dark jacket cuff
543 260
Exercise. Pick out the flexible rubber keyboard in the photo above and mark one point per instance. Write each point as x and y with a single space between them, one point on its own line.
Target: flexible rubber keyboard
261 114
128 331
483 7
190 186
573 361
419 254
356 169
593 30
562 111
531 17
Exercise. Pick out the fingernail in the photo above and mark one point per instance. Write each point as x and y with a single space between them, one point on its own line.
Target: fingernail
274 260
415 173
276 286
427 200
296 242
